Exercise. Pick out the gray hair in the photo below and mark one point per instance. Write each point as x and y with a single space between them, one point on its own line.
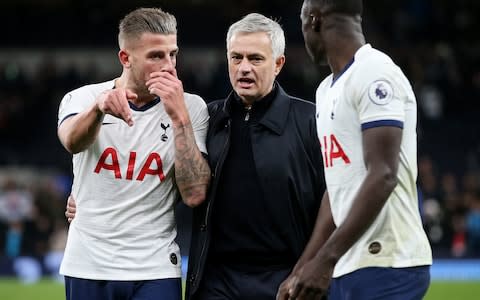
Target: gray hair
142 20
255 22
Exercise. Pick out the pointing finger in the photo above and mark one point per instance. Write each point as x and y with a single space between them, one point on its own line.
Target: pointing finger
124 108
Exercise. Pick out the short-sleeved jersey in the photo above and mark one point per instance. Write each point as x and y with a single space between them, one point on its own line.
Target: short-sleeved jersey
125 191
372 91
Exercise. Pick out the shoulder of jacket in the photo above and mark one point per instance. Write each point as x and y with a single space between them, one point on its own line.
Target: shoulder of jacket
302 104
215 106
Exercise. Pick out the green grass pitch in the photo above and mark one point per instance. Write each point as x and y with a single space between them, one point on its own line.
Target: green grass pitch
11 289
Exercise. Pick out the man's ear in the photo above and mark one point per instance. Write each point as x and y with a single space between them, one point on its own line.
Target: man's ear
279 62
124 58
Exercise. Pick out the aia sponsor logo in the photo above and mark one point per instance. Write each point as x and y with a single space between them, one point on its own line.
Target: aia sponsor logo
108 161
333 151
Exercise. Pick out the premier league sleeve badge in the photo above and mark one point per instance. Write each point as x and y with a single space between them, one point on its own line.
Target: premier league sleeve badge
380 92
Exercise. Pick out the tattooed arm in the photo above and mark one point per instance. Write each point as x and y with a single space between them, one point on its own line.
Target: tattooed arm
191 169
192 172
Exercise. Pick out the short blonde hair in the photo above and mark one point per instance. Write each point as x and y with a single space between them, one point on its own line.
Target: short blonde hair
141 20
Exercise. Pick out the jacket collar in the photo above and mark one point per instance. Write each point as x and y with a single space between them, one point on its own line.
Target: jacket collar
276 116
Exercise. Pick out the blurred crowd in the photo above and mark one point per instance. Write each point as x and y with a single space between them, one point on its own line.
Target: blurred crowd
434 42
33 230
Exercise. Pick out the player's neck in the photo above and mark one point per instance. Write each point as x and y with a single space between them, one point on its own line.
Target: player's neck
144 97
344 53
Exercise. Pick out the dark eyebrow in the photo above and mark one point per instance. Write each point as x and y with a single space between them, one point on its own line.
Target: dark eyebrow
249 56
156 53
255 55
161 52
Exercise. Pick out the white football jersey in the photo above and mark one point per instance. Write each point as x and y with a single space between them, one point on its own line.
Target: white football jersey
372 91
125 191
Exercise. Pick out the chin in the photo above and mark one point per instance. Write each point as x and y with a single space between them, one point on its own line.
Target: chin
318 57
244 92
321 61
244 95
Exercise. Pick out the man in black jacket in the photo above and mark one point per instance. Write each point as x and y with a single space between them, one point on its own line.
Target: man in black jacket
267 173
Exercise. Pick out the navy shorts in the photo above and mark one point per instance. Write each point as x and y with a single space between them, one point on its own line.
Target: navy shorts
160 289
382 284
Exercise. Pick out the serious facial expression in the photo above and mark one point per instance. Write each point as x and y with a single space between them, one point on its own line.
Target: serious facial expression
151 53
251 65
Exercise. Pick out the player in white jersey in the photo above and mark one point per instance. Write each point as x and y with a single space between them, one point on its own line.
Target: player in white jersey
136 142
369 235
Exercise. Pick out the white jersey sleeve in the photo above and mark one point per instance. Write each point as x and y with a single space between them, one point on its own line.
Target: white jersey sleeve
381 96
199 118
80 99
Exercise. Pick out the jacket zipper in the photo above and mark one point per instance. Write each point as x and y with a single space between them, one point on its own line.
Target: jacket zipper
248 109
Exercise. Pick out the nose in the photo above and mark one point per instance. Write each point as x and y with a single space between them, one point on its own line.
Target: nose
168 65
245 66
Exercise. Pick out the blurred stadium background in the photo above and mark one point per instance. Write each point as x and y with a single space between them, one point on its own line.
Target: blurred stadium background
48 47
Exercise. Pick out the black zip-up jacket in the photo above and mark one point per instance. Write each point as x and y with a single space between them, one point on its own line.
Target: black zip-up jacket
288 162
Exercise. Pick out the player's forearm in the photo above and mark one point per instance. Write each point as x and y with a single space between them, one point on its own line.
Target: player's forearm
192 172
368 203
324 226
77 133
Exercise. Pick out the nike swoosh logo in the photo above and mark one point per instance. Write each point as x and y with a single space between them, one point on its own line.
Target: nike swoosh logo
107 123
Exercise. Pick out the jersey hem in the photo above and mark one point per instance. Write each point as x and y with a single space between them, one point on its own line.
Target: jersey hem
409 264
129 277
